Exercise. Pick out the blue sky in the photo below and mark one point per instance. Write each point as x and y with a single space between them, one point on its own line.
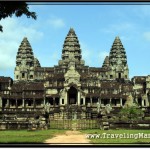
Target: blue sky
96 27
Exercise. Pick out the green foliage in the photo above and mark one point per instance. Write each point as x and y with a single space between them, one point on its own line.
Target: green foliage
18 8
131 114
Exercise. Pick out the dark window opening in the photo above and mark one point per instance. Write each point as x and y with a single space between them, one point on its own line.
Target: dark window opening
31 76
57 101
144 102
81 101
106 101
17 76
72 95
19 102
123 102
114 102
62 101
23 75
38 102
140 101
111 76
30 103
119 75
87 100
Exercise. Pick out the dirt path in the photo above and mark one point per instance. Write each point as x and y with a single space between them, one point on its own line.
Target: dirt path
69 138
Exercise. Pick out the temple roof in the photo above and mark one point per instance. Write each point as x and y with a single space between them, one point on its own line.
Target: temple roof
27 86
5 79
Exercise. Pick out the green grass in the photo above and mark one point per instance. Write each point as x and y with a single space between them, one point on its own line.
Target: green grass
24 136
117 140
39 136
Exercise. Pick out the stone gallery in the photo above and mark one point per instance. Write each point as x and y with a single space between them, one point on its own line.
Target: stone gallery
70 89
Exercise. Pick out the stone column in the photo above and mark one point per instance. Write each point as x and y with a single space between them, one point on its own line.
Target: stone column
60 101
120 101
16 104
66 98
8 103
53 101
136 99
44 101
84 101
23 104
78 98
91 101
110 101
142 102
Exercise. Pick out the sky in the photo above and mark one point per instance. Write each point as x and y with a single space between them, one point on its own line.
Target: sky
96 27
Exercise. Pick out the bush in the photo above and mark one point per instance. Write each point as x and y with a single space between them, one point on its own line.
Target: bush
131 114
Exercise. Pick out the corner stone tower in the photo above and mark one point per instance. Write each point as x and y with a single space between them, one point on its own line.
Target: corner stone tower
25 62
118 61
71 50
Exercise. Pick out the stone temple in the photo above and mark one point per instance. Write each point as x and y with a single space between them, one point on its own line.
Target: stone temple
70 85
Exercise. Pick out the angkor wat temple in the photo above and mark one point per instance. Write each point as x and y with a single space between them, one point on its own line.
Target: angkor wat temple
70 85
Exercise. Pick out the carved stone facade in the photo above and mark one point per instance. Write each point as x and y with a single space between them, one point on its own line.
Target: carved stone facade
71 83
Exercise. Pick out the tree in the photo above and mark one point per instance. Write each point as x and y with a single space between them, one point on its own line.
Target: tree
131 114
17 8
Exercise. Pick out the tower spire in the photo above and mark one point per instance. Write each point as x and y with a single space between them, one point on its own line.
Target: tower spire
118 59
25 61
106 62
117 53
71 49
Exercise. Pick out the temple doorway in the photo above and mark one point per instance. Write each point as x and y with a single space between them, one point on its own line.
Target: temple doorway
72 95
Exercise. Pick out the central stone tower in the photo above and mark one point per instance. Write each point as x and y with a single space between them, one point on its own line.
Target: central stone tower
71 51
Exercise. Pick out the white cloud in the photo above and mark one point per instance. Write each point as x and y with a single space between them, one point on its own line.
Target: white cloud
56 22
86 54
102 56
10 39
146 35
114 28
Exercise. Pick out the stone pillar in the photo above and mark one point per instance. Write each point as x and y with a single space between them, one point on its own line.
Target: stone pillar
8 103
120 101
110 101
23 104
44 100
91 101
16 103
66 99
136 99
0 102
142 102
84 101
78 98
53 101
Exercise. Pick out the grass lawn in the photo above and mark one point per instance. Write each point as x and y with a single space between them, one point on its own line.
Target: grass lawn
118 140
24 136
